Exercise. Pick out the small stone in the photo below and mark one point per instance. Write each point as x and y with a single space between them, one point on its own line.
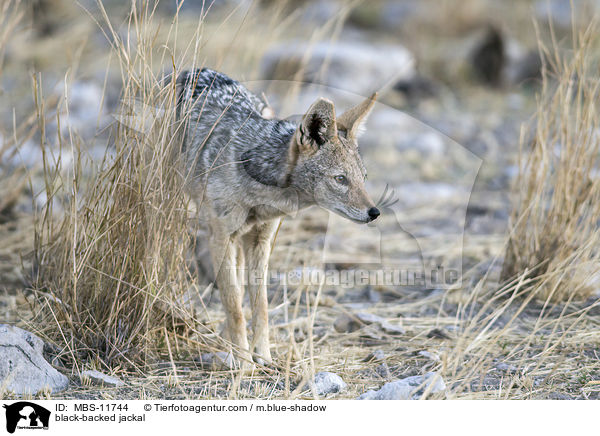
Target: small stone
438 334
383 370
328 383
505 367
387 327
558 396
409 388
348 324
369 318
219 361
371 335
345 324
429 355
99 378
392 329
375 356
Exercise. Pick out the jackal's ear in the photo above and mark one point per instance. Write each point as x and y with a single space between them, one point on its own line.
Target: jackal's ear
353 119
317 127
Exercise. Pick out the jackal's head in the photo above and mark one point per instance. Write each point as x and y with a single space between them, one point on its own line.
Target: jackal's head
325 163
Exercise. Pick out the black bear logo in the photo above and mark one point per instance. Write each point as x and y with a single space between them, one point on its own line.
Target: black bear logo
33 416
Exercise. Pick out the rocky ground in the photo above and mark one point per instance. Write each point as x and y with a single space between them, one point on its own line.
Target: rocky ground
456 85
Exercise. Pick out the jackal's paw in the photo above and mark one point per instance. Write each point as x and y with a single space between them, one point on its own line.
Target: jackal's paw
263 357
263 362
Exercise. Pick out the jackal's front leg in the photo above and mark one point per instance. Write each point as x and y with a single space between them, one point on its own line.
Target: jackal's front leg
257 248
224 255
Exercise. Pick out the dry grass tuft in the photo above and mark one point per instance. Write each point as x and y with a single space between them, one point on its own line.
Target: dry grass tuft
112 275
555 234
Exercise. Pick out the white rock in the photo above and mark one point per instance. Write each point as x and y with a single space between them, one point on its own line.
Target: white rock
99 378
409 388
375 355
23 369
369 318
392 329
505 367
429 355
328 383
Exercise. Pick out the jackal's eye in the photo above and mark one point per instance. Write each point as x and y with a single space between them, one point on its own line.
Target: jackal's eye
342 180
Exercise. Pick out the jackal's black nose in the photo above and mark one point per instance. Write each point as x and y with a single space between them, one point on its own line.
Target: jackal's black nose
373 213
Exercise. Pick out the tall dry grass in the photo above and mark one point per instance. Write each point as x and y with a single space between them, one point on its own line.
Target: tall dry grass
112 270
554 227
